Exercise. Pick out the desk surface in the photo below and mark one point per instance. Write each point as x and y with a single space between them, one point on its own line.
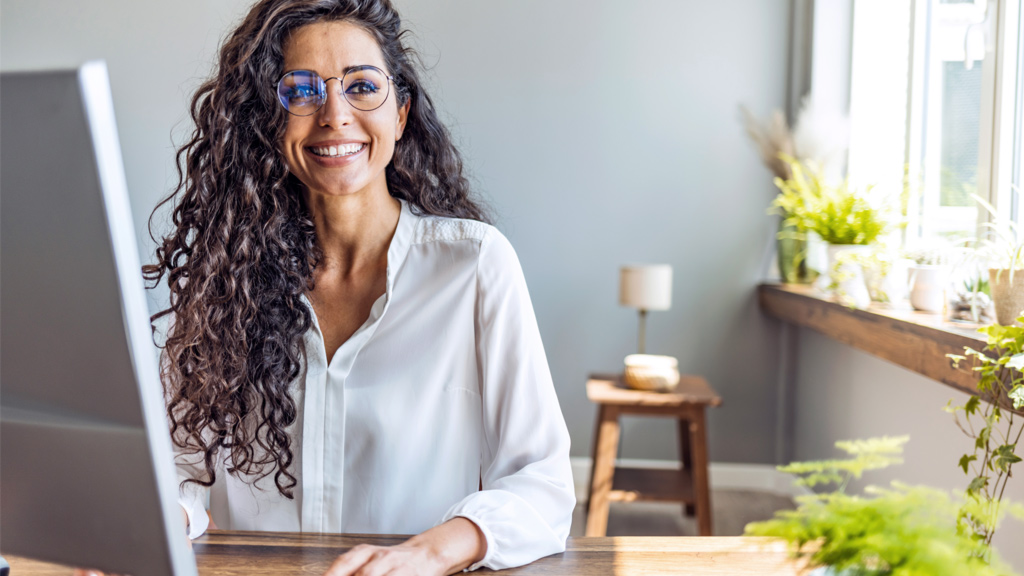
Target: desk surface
265 553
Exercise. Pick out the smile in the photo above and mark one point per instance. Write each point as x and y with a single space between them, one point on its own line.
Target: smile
337 151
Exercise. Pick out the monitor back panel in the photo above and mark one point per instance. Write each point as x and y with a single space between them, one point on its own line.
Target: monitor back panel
86 470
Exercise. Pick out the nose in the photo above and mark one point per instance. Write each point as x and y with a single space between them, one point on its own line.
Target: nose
336 111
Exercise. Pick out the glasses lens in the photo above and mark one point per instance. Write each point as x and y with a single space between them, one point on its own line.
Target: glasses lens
301 92
366 87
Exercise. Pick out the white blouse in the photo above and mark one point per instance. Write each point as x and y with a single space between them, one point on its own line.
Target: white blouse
445 388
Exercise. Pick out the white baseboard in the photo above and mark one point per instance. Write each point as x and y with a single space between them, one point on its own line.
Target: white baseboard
723 476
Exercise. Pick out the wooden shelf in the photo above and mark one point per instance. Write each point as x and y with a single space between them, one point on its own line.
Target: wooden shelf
917 341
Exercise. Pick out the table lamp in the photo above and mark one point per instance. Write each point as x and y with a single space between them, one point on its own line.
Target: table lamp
645 287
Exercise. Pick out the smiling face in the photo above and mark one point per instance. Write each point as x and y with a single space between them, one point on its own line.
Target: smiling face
339 150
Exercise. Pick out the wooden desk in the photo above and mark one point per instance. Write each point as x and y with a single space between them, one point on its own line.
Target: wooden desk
223 553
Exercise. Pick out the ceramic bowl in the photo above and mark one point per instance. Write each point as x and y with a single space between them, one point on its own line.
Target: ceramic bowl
651 373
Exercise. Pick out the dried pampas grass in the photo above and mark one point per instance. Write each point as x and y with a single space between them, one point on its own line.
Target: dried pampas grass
772 139
819 138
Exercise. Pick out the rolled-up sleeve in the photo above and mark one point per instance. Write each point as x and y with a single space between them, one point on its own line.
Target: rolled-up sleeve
191 496
525 506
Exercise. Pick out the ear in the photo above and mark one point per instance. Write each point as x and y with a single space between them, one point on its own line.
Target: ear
403 116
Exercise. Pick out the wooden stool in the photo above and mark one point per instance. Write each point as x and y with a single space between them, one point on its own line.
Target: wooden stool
688 485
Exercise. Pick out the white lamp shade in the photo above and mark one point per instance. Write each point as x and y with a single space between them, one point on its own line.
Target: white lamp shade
647 287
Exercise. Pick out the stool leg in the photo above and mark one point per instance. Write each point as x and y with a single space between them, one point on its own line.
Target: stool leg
686 457
702 491
606 445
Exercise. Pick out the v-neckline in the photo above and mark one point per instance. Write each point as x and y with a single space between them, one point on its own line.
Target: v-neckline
376 312
397 251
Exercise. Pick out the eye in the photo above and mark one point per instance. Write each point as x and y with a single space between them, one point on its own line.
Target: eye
362 87
301 92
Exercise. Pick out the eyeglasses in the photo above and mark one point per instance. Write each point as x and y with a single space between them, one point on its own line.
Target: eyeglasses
303 92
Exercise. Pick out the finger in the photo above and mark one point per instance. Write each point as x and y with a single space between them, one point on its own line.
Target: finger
349 562
380 563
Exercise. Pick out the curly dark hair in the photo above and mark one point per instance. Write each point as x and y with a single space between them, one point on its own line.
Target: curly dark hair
243 249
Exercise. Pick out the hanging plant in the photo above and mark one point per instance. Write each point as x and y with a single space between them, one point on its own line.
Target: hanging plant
994 420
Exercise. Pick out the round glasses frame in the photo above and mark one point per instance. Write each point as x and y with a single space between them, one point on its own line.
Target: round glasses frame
390 80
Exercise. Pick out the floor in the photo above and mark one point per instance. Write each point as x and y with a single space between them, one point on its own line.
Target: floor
731 510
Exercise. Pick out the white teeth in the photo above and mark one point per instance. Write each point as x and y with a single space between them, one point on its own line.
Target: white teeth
336 151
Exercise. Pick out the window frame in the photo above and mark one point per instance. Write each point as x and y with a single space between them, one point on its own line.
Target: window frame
998 139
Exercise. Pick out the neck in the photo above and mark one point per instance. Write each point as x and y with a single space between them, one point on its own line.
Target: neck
354 231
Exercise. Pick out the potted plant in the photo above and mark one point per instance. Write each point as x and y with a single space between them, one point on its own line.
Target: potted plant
1003 247
969 293
971 301
899 531
841 217
994 420
818 137
848 281
886 273
929 275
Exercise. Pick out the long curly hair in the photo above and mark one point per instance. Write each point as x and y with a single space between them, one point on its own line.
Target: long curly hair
243 248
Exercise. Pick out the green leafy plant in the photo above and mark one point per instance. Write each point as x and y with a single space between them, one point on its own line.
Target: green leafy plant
1003 244
837 214
900 531
994 421
978 285
933 256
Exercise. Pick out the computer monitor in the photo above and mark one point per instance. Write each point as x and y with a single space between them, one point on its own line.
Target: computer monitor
86 468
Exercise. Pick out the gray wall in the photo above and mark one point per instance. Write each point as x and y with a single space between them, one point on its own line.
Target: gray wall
606 133
602 132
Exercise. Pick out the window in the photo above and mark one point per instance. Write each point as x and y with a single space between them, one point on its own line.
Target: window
936 109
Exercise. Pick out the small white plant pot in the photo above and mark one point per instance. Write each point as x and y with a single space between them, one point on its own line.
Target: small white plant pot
1007 297
894 285
928 286
890 286
846 277
853 291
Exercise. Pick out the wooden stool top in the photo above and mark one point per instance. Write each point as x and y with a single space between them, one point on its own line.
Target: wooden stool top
611 389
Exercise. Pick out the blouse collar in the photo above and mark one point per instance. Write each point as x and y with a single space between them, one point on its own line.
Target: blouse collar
400 244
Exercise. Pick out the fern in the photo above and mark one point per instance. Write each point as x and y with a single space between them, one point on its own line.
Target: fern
899 531
836 213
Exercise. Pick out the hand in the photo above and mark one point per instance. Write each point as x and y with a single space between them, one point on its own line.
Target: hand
403 559
444 549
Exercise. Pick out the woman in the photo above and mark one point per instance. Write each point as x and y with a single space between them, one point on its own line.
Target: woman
353 348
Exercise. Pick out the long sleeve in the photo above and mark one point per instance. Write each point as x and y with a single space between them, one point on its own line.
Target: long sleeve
191 496
525 507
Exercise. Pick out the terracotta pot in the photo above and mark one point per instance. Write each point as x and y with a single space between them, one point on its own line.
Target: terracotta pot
1007 297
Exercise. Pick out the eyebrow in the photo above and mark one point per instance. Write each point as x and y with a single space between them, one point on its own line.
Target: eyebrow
344 70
